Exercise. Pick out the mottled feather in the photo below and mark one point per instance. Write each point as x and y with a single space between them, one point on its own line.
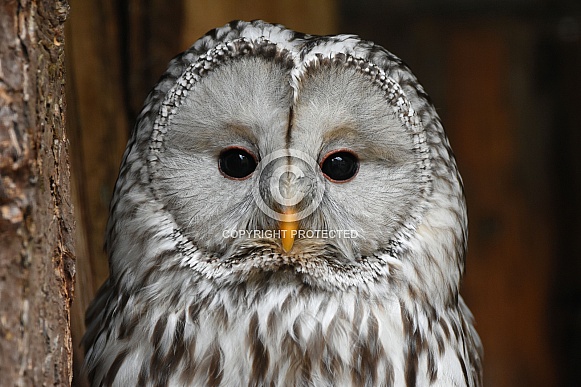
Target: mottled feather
186 305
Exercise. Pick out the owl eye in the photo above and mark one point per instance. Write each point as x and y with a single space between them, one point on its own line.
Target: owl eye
340 166
236 163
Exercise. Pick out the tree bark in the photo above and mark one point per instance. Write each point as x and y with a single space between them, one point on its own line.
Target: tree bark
37 263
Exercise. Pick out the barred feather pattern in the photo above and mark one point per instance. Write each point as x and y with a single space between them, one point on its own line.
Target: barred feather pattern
175 314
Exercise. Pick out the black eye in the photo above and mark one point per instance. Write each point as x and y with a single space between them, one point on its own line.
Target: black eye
340 166
236 163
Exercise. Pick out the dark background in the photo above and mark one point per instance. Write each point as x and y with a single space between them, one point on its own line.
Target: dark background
505 77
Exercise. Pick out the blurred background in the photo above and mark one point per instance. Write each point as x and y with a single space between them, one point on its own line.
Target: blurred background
506 79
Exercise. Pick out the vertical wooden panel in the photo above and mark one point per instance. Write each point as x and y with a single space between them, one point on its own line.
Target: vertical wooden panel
560 79
150 37
98 128
510 244
97 118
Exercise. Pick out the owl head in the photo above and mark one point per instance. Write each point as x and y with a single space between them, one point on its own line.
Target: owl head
263 150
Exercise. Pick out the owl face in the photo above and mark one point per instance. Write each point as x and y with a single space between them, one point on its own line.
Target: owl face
312 164
255 133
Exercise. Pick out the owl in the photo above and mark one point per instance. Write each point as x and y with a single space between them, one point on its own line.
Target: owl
288 213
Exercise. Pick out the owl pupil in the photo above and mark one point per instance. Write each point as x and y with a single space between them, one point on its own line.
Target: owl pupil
236 163
340 166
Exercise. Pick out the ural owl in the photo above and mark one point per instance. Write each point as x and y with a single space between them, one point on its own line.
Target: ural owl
288 213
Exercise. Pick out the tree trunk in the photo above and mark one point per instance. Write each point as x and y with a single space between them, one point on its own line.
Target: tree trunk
37 263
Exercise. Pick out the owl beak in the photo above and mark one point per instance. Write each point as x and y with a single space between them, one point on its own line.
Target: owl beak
288 226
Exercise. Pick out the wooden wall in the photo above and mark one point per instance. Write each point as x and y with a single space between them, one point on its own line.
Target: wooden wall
510 234
505 81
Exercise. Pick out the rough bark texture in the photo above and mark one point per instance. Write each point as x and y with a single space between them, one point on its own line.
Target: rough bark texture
36 224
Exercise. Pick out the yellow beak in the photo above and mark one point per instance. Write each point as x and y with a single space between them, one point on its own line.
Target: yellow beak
288 226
